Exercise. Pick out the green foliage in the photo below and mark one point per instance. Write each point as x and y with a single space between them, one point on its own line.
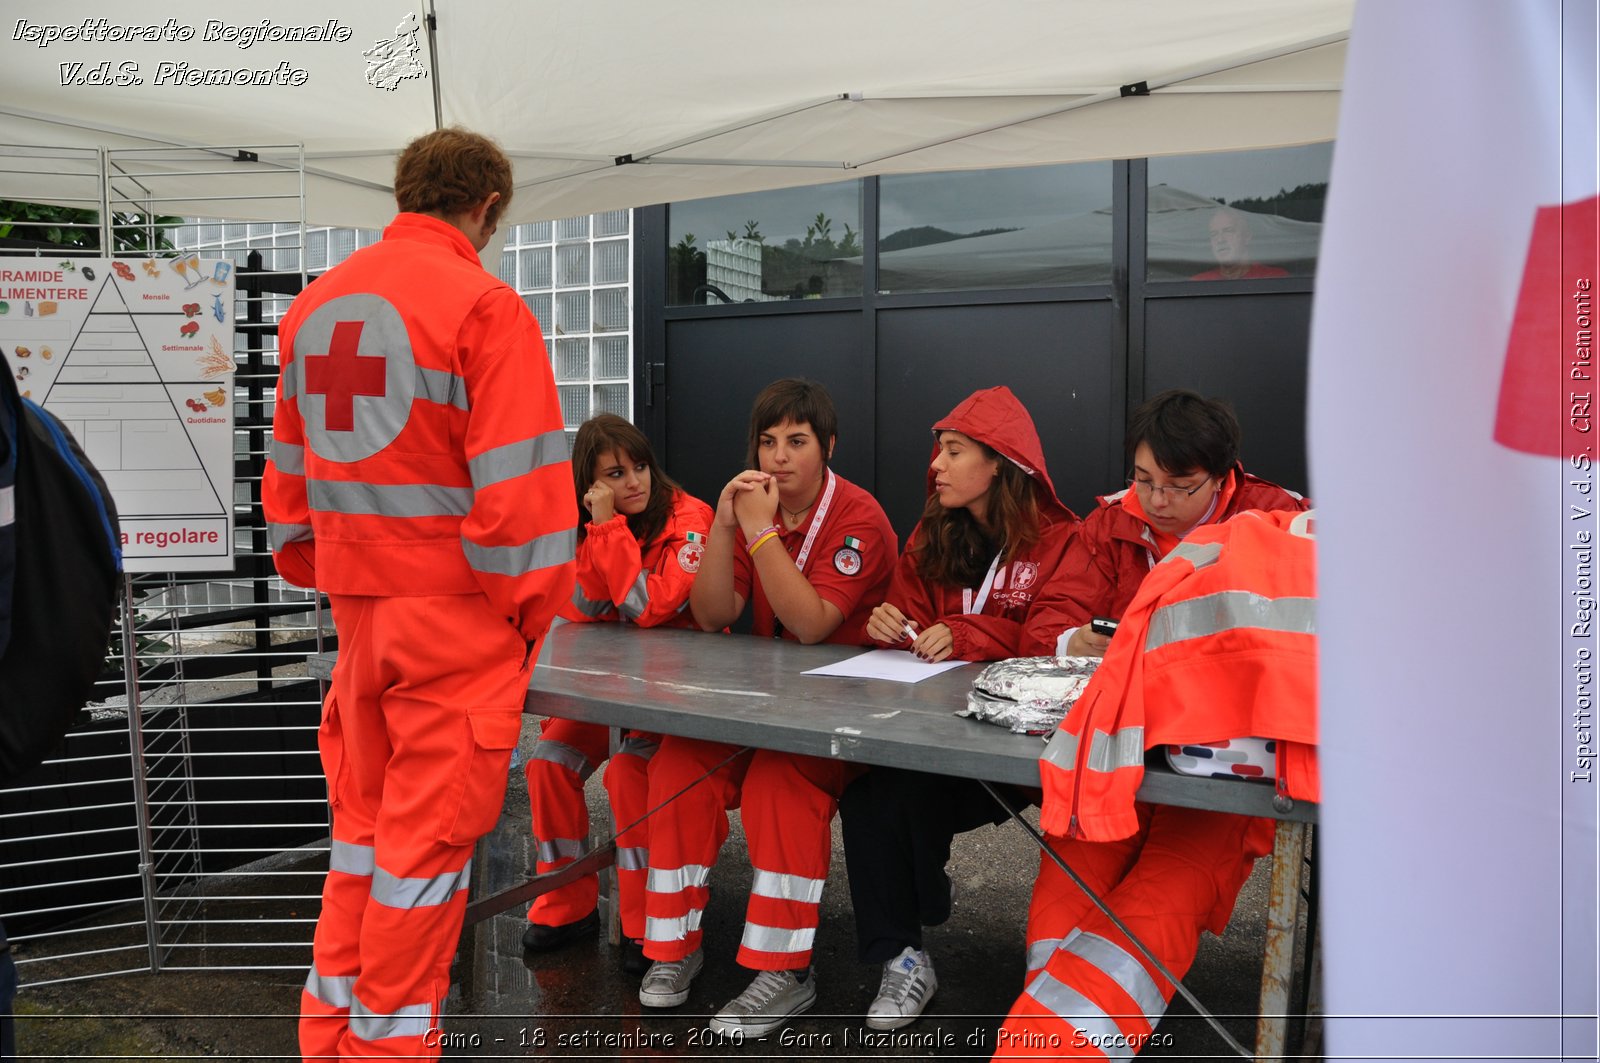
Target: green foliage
1301 203
78 229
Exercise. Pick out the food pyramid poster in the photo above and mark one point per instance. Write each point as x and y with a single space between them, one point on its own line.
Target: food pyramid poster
136 358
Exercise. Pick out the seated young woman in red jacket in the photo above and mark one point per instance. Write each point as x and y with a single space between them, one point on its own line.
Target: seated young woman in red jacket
810 552
638 553
991 537
1088 987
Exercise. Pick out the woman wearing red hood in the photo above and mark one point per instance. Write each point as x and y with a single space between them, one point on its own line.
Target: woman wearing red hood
991 535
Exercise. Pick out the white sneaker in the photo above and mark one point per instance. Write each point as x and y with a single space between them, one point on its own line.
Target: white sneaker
767 1003
908 983
666 983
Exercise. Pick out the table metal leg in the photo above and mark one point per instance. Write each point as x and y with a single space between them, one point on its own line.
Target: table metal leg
608 877
1283 913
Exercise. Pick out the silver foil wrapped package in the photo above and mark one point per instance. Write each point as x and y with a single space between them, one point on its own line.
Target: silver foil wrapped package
1029 695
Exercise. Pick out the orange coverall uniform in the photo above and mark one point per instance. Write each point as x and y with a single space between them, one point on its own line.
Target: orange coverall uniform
1167 872
619 579
788 800
419 477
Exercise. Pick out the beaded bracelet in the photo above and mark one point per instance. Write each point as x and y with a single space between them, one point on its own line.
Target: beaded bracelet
770 532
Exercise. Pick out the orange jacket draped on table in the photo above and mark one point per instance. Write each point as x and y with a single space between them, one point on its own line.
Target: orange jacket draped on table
1219 643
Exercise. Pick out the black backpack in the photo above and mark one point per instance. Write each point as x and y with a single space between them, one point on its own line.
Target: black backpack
60 565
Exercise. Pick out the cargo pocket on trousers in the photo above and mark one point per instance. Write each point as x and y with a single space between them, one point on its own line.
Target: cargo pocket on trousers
330 747
494 736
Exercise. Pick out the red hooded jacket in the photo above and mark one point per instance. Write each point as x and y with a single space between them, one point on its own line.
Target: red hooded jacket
995 418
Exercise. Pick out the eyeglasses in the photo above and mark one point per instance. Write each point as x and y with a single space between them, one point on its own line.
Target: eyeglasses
1150 490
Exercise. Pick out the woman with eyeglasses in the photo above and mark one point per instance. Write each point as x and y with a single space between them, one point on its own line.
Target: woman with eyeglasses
1183 450
1181 870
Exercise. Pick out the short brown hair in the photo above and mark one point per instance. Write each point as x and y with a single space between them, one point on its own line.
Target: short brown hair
1186 432
797 400
450 171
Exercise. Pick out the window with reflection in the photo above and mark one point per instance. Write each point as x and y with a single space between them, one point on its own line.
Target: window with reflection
1242 215
793 243
1020 228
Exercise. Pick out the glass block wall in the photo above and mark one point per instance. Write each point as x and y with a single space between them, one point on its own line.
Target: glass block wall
576 277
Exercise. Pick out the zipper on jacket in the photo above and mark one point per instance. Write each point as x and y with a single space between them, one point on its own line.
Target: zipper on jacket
1081 765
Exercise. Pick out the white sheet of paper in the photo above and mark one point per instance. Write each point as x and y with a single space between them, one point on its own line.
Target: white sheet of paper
897 666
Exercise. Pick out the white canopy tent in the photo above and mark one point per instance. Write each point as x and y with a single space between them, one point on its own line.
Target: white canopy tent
620 103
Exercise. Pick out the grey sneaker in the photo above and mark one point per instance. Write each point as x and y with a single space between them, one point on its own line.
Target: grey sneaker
908 982
666 983
771 1000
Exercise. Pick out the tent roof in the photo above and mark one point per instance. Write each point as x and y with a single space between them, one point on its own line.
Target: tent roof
723 96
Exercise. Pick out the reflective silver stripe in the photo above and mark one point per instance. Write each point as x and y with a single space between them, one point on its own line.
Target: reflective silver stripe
1119 495
1062 751
677 879
1039 953
588 606
1123 969
389 500
776 939
671 929
351 858
1228 611
634 859
333 990
638 746
413 1020
391 891
558 849
8 506
546 551
638 599
559 753
289 457
1198 554
518 459
786 887
1124 749
446 389
1082 1013
281 535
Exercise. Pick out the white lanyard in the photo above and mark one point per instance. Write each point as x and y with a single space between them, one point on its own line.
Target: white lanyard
816 523
967 604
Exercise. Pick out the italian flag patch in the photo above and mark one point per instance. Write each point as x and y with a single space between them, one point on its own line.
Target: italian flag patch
852 542
694 537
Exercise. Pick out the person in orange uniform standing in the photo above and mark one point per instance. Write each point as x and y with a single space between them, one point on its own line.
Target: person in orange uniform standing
418 476
637 556
991 537
1181 870
812 552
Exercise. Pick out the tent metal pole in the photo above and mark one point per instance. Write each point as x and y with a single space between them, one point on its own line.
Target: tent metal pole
433 56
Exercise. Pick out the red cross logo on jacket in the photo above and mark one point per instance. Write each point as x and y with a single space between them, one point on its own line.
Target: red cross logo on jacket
342 374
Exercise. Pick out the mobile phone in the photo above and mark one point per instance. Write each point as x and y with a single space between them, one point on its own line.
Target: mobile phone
1103 625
